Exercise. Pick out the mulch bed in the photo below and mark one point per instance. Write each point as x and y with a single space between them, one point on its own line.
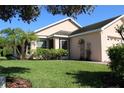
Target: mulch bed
17 82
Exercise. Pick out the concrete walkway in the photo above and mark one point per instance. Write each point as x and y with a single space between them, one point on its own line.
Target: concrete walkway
99 62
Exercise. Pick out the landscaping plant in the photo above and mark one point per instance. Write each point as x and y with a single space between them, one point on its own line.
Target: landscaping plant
47 54
116 55
15 42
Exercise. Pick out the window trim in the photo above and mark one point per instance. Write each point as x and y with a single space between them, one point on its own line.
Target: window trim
60 43
42 40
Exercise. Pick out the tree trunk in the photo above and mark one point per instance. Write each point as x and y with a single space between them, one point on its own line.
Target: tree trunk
122 36
14 50
22 56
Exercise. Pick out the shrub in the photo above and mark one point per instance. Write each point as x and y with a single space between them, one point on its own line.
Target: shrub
53 53
116 55
42 53
61 52
50 53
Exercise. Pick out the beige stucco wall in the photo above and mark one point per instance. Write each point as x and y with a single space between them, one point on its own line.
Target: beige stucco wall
100 41
110 37
93 38
56 43
33 46
66 26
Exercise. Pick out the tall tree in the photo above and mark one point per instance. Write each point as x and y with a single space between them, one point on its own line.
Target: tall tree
70 10
24 13
31 12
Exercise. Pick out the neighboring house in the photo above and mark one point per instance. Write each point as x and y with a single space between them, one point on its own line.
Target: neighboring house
89 42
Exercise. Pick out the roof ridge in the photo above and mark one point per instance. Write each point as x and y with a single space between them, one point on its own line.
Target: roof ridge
103 20
96 25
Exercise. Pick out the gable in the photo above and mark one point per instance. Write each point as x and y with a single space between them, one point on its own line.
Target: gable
99 26
121 18
111 31
65 25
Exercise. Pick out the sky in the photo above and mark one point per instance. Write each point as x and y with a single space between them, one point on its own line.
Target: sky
100 13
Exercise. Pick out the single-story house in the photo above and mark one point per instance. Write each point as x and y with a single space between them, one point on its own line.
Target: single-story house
91 41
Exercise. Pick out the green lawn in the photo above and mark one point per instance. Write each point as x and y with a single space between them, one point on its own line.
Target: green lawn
65 74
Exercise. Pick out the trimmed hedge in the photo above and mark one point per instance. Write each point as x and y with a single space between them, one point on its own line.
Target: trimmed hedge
116 55
47 54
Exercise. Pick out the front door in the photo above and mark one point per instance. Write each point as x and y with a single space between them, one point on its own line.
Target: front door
51 43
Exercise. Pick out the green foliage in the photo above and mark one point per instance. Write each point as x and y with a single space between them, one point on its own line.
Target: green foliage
42 53
116 55
26 13
7 51
54 74
29 13
50 53
16 41
61 52
70 10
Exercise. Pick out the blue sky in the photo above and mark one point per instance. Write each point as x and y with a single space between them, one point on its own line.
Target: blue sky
100 13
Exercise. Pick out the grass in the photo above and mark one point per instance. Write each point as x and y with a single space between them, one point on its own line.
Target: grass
56 74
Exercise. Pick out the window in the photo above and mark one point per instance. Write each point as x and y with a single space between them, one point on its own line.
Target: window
42 43
64 44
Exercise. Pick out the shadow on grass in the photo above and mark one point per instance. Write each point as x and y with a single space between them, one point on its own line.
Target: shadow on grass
95 79
9 71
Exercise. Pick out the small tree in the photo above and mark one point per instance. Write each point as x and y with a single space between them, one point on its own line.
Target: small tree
24 40
116 55
120 30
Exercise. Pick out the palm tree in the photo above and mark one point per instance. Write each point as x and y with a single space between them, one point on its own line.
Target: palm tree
4 47
7 40
24 40
16 40
10 37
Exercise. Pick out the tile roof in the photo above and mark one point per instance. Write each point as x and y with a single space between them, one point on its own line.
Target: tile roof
94 26
62 33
